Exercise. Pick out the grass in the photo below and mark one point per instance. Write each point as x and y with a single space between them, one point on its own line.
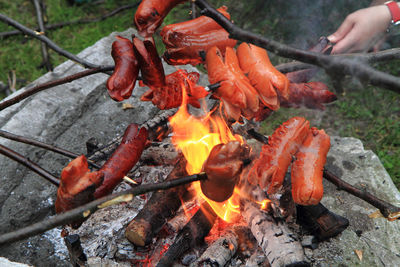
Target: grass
365 112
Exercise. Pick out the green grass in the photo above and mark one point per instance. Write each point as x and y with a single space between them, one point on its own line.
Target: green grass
365 112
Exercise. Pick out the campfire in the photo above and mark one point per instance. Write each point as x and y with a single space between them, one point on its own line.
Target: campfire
229 198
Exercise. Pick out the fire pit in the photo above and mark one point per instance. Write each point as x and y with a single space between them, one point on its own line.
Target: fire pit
102 235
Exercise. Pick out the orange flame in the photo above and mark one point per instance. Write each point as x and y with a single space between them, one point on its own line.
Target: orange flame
196 137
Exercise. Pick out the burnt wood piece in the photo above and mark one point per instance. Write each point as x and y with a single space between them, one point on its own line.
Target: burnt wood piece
159 208
191 235
75 250
321 222
279 244
220 251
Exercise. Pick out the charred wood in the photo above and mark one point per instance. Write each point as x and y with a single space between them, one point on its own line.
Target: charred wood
75 250
191 235
219 252
321 222
159 208
278 243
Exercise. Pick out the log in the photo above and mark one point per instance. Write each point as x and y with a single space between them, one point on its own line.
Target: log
191 235
220 251
76 255
278 243
159 208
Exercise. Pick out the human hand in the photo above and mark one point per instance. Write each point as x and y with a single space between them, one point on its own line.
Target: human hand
359 30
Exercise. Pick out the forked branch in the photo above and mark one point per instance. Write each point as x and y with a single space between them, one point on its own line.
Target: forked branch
332 64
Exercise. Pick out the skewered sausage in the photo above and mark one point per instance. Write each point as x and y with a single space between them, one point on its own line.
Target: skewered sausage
121 83
123 159
151 13
307 169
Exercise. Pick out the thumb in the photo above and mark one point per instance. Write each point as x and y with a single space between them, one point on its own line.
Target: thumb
343 30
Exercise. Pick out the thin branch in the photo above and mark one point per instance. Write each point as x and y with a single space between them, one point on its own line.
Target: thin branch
331 64
47 41
89 208
388 210
9 102
79 21
29 164
42 29
33 142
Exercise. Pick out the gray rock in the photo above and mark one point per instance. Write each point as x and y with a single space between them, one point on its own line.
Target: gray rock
70 114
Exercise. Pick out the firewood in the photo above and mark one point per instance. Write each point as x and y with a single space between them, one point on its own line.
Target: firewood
191 235
320 221
75 250
278 243
159 208
219 252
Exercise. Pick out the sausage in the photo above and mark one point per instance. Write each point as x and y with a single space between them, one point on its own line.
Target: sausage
255 63
151 13
270 168
150 63
121 83
172 34
235 91
223 168
77 185
311 94
170 96
192 48
307 169
123 159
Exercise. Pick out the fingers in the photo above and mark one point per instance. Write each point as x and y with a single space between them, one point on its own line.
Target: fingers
343 30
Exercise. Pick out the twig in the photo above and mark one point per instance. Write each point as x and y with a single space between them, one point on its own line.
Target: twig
388 210
42 29
33 142
28 163
47 41
53 83
79 21
83 211
331 64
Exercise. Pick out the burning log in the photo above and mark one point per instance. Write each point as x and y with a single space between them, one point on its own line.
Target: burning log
191 235
160 207
219 252
278 243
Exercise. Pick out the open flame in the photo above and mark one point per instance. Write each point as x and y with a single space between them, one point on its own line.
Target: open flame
195 137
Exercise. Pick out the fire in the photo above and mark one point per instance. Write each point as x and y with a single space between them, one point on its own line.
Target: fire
195 137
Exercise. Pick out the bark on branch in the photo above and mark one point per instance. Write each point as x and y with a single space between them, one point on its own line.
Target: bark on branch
332 64
47 41
84 211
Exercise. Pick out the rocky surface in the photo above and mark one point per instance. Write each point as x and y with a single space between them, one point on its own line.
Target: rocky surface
70 114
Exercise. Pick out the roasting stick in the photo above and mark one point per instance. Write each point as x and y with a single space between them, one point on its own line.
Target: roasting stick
34 142
29 164
388 210
84 211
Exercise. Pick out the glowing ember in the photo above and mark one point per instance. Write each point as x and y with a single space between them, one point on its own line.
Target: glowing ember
196 137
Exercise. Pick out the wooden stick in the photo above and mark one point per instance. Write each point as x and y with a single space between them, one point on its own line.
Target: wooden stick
191 235
33 142
29 164
47 41
388 210
42 29
278 243
49 84
84 211
79 21
331 64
